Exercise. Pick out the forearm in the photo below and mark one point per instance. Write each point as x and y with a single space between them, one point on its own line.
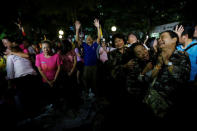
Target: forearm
57 72
74 65
99 34
43 75
155 71
77 36
20 54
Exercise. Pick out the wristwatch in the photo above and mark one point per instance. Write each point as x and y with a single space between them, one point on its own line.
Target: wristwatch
169 63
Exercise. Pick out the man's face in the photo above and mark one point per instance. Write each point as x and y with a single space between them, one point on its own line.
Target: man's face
6 43
165 40
89 40
132 39
119 43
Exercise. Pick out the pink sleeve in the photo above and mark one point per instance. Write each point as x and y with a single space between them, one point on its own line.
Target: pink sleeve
59 61
38 64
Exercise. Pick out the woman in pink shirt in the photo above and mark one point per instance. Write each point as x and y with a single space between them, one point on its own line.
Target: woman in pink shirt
48 64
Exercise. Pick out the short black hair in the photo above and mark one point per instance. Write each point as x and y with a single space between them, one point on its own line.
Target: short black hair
120 36
16 48
132 33
66 46
172 35
189 30
134 45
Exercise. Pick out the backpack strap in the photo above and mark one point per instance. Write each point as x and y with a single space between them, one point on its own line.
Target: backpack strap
190 46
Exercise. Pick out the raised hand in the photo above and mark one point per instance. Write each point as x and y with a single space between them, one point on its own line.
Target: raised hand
77 25
96 23
179 30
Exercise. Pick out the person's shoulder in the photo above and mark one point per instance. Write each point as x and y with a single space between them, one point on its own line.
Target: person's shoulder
195 46
84 43
95 44
39 55
113 53
10 56
56 55
73 52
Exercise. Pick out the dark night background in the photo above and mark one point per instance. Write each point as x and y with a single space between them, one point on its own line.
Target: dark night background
41 17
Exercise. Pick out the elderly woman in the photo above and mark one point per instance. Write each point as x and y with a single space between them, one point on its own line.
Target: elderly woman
48 65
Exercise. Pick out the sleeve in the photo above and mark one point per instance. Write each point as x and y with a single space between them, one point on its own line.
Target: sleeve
38 63
10 68
76 50
101 50
96 44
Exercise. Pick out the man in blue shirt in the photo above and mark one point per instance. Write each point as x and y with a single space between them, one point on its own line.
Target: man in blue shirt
186 40
90 57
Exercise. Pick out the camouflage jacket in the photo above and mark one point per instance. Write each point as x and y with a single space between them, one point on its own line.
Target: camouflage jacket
168 79
135 84
169 86
115 63
115 72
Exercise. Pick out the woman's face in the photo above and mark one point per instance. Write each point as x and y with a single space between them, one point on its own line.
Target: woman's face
7 43
46 48
119 43
132 39
141 52
58 44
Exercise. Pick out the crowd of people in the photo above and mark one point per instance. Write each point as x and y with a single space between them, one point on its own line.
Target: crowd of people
146 81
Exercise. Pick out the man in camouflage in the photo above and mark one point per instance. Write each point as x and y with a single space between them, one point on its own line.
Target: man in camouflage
169 77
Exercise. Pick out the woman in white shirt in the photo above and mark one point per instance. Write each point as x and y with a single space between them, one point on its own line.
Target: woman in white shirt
23 77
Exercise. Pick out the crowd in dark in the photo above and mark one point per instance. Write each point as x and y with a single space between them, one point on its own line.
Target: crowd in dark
144 83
